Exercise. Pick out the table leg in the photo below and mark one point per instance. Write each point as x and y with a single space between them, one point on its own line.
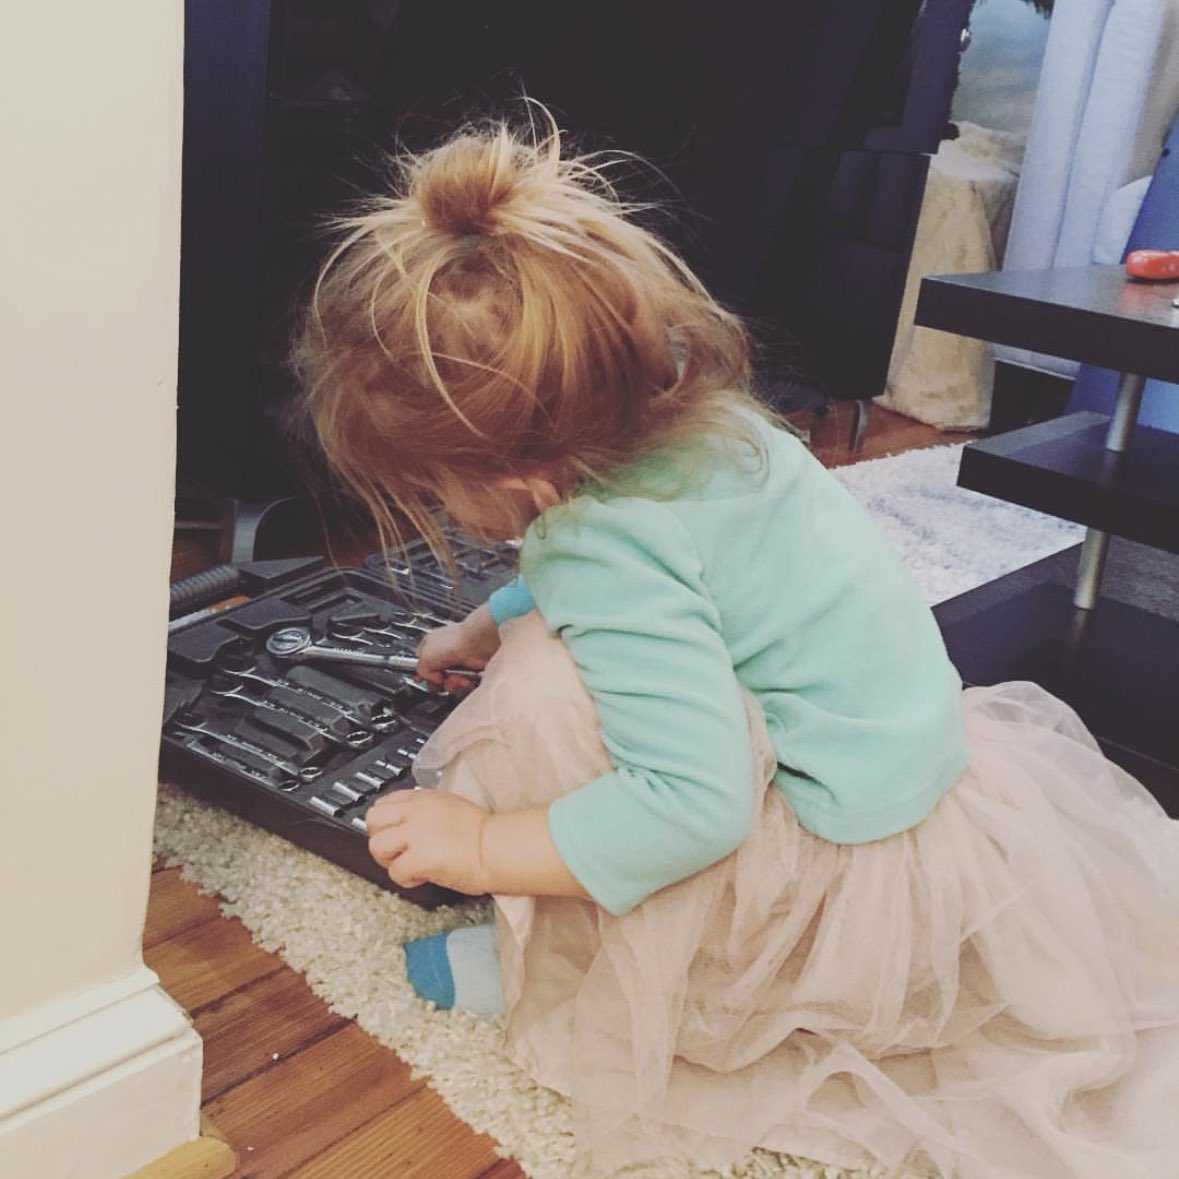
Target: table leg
1121 429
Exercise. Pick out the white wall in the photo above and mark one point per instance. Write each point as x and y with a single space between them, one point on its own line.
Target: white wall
91 160
89 240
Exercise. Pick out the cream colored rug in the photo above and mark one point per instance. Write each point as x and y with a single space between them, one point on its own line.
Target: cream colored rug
345 934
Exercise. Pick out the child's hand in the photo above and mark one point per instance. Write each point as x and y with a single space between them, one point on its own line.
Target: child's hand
470 643
423 835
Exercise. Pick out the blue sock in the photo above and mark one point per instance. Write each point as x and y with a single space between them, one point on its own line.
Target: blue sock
457 969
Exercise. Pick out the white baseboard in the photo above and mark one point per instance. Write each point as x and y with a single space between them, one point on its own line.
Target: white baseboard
103 1094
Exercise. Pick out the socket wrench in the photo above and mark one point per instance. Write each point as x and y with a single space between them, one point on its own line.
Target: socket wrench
296 643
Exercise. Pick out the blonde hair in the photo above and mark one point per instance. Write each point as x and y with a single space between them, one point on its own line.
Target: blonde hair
500 314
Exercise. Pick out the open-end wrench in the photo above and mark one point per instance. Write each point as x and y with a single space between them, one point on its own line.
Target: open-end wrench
356 738
295 642
299 773
349 632
400 626
382 718
384 639
240 766
417 618
397 624
381 679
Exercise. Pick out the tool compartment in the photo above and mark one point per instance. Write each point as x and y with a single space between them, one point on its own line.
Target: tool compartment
304 748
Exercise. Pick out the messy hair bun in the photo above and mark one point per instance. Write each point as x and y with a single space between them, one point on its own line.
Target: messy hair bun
499 313
477 186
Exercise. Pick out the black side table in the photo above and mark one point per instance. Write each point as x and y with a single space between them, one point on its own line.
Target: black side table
1107 644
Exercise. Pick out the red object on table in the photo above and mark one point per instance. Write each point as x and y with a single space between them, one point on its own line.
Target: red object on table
1159 265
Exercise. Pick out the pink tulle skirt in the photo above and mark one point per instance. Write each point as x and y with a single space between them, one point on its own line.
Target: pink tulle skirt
994 993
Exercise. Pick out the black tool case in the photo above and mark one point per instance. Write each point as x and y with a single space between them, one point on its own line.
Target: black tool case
304 748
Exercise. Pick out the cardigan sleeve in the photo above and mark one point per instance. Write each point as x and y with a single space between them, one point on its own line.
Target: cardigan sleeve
622 585
510 601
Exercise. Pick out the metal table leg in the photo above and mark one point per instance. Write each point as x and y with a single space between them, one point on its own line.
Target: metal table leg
1096 546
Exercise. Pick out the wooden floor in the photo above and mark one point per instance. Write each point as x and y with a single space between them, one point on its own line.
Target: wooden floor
297 1091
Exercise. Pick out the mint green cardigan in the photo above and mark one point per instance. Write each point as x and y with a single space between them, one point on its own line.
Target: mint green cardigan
768 576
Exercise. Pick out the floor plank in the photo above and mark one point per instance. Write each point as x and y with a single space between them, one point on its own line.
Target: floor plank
177 906
414 1140
202 1158
293 1112
258 1024
504 1169
888 433
207 961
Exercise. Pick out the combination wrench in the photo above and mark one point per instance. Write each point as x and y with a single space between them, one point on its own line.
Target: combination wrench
401 625
382 718
298 773
356 738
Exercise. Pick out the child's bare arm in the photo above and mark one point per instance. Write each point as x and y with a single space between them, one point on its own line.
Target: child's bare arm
520 858
424 835
469 643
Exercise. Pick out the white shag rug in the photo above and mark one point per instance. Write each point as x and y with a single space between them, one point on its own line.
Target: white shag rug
345 934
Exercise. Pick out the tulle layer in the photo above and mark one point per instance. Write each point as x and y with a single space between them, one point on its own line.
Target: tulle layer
991 995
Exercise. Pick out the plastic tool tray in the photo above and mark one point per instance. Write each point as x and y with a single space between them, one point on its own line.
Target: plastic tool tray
304 748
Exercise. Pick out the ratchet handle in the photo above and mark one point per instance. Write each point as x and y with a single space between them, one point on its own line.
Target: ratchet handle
1155 265
295 642
367 658
404 663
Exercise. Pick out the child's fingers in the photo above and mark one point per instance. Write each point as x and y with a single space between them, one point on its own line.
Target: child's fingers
387 844
401 872
435 653
429 675
394 855
386 811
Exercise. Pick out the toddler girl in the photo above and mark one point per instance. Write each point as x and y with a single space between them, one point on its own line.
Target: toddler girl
764 874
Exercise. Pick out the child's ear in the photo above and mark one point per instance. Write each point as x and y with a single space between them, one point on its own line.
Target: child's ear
541 492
